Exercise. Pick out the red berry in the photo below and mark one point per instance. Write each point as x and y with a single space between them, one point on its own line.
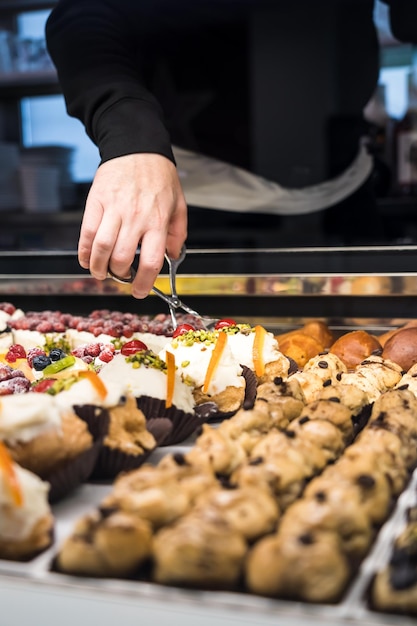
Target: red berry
131 347
16 351
106 355
7 307
182 329
93 349
225 323
43 385
32 352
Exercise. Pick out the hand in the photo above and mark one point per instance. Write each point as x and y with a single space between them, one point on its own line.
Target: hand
134 199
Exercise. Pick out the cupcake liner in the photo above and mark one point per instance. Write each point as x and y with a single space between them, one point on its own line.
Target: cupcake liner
183 424
249 399
112 462
77 471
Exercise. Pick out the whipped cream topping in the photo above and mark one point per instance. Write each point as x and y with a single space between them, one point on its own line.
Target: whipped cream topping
193 361
241 346
24 416
17 522
29 338
146 381
83 391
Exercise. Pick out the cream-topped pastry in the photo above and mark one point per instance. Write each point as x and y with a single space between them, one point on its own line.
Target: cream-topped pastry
6 333
17 520
241 339
25 416
193 352
86 389
145 374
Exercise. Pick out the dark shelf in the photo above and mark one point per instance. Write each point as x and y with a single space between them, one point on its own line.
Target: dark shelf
24 84
14 6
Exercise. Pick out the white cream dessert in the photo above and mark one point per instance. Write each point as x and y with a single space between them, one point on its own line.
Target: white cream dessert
145 374
6 334
18 520
242 346
35 339
25 416
193 352
84 390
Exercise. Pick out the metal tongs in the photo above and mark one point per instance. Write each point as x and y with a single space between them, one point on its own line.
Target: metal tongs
173 301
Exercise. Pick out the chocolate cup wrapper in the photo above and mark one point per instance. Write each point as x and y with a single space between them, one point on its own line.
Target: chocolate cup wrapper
77 471
183 424
249 399
112 462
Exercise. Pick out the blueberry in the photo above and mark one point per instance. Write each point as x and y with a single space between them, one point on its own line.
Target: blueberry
40 362
56 354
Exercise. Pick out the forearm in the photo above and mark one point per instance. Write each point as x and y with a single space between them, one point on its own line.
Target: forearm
93 45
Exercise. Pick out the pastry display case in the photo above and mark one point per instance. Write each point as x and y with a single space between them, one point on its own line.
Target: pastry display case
349 288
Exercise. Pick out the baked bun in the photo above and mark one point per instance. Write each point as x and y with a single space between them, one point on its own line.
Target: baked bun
390 333
353 347
401 348
300 347
320 331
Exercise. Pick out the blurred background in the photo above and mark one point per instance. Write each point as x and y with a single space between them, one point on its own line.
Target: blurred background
47 161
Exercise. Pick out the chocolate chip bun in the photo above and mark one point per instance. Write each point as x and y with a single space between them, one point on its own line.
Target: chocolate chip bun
111 545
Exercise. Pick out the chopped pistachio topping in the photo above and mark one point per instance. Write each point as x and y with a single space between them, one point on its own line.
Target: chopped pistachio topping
148 359
52 342
193 336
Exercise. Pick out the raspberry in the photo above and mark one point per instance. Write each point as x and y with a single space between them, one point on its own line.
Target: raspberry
106 355
16 351
45 327
7 307
93 349
79 352
5 372
34 352
15 385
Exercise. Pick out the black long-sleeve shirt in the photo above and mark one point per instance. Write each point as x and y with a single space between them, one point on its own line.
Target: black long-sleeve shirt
143 74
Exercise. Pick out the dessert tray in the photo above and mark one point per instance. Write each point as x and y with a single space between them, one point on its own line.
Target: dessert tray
35 583
333 287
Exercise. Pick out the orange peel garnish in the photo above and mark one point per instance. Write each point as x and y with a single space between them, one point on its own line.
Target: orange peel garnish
215 359
170 361
96 381
257 350
10 475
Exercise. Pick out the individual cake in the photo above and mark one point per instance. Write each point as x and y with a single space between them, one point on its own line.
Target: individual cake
26 522
55 444
199 551
127 440
39 435
158 388
257 349
115 544
8 313
293 565
205 360
394 587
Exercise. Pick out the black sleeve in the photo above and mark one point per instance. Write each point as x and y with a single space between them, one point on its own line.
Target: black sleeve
94 46
403 19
